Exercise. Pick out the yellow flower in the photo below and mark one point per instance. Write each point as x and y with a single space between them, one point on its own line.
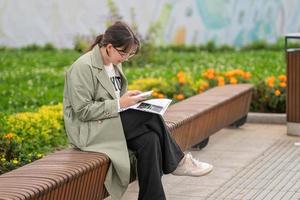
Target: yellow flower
233 80
39 155
282 78
15 161
3 159
8 136
282 84
277 92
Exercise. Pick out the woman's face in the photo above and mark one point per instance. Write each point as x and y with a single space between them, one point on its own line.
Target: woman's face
117 55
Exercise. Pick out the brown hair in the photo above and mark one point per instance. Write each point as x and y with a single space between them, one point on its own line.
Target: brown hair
119 35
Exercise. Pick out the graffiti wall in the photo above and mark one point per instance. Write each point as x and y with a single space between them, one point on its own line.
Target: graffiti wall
170 21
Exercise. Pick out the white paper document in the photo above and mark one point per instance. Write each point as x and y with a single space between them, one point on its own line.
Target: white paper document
158 106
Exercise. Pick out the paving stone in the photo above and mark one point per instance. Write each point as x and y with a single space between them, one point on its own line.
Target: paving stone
287 195
277 177
256 161
296 196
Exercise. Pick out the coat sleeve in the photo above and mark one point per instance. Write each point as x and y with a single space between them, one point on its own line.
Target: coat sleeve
81 88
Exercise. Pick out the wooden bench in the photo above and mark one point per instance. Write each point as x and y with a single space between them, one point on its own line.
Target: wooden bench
73 174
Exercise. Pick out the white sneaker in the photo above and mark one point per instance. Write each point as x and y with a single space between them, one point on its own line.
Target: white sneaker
190 166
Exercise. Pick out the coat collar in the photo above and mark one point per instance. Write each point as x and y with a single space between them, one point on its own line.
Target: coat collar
102 76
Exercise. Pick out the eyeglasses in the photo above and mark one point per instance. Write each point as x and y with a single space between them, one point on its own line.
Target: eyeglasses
124 54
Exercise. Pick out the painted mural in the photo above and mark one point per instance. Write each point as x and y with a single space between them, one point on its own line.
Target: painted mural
230 21
176 21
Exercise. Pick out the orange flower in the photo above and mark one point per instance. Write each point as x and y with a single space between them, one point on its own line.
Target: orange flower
160 95
233 80
210 73
229 74
282 84
221 83
277 92
8 136
271 85
282 78
155 94
270 81
179 97
180 74
181 80
181 77
220 79
210 76
246 75
205 85
239 72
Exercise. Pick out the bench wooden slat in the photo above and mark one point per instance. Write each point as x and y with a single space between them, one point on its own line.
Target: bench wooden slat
75 175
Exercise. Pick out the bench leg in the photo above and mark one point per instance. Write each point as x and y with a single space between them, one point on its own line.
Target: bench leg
202 144
239 122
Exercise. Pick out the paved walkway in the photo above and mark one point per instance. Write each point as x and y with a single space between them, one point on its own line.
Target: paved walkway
256 161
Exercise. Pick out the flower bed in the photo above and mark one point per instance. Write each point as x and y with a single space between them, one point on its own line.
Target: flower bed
269 94
25 137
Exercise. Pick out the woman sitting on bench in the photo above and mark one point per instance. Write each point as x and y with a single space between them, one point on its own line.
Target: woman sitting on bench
94 95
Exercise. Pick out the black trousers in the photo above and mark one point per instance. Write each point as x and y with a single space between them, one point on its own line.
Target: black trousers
157 152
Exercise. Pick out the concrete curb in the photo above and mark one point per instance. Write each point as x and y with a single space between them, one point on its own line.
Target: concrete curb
266 118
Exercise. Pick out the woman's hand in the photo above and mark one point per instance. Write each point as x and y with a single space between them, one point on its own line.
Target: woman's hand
130 98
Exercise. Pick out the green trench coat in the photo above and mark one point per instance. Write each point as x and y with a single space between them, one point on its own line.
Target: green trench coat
92 120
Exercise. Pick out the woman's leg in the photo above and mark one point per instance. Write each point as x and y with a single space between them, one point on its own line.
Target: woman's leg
149 164
171 152
136 123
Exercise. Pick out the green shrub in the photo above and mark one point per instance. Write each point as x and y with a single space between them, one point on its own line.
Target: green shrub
82 43
25 137
49 47
34 47
270 95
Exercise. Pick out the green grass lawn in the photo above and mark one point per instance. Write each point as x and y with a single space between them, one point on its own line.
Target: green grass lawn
30 79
